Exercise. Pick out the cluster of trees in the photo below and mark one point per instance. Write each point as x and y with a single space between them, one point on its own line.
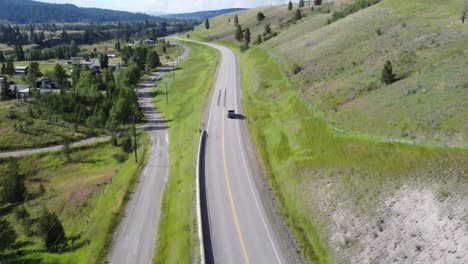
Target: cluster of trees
105 101
145 58
350 9
49 226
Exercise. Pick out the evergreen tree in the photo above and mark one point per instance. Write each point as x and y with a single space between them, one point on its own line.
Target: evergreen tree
7 234
267 30
247 35
117 45
301 3
13 184
5 92
259 39
239 36
298 15
74 49
51 230
388 77
10 69
207 24
290 6
33 74
317 2
60 75
103 61
2 57
236 20
152 60
260 16
3 70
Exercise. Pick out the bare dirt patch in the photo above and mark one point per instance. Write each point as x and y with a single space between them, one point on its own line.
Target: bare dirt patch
412 226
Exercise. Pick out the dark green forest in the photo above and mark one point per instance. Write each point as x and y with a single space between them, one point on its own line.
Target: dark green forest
28 11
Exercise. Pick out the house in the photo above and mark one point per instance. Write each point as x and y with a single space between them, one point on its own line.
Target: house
93 66
47 84
111 55
21 70
149 41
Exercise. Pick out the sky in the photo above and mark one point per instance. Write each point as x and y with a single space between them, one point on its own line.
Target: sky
167 6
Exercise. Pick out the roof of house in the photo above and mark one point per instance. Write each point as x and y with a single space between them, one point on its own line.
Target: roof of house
21 68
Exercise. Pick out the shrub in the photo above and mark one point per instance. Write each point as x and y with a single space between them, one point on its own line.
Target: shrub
127 145
51 230
296 68
388 77
7 234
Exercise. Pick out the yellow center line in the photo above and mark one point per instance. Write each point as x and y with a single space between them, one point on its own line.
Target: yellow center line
233 209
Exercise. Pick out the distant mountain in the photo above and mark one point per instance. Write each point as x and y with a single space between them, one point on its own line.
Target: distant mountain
28 11
157 14
204 14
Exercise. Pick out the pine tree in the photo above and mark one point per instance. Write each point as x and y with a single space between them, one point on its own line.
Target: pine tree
51 230
10 69
207 24
14 189
236 20
260 16
247 35
8 235
298 15
74 49
5 93
2 57
259 39
388 77
290 6
239 34
301 3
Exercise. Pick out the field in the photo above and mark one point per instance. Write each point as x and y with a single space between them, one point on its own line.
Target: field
340 65
177 240
87 193
350 198
35 127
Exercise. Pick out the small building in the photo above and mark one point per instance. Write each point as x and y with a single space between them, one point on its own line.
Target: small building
47 84
21 70
94 67
149 41
111 55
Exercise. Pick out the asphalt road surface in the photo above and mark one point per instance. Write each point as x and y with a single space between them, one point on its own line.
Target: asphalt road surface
135 237
239 229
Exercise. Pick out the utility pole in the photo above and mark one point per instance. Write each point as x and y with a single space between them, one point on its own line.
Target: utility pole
135 140
167 95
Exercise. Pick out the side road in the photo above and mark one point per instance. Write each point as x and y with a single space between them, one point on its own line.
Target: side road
135 237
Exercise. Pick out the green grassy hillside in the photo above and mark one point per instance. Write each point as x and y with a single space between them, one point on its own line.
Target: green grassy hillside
341 65
352 199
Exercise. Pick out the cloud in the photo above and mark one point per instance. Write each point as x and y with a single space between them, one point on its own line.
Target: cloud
173 6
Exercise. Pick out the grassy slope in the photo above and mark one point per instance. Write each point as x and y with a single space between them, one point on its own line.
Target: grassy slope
177 237
342 63
87 194
316 173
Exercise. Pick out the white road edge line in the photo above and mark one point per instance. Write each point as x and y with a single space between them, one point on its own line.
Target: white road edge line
245 166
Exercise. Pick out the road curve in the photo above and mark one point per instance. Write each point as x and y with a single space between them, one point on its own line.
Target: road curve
238 227
135 237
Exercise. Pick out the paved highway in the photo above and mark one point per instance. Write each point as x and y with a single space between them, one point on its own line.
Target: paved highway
239 229
136 234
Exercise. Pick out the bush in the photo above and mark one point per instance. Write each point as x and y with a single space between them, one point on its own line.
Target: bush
120 157
244 47
51 230
7 235
14 189
127 144
388 77
296 68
